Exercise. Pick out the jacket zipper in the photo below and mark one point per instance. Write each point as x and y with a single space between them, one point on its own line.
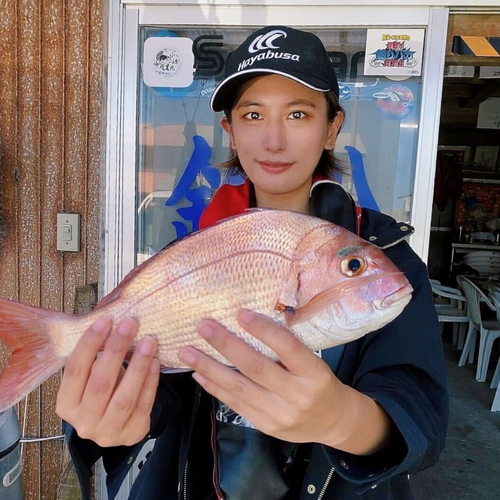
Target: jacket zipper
394 243
214 451
185 480
327 482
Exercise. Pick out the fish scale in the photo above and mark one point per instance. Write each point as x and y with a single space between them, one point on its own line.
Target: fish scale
284 265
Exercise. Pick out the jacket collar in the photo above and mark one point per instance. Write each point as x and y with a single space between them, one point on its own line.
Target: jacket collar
329 201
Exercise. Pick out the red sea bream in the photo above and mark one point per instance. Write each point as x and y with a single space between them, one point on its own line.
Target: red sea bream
321 281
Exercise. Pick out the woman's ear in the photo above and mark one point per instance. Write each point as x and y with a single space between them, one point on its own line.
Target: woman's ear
229 130
333 130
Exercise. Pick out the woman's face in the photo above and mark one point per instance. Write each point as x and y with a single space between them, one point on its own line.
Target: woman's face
279 128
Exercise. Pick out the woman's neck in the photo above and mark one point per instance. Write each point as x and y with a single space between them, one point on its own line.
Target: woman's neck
296 201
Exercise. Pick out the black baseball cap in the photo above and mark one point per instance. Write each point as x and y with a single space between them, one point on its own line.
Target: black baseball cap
279 50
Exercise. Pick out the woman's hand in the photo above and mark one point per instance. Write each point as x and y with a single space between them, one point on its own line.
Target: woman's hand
298 399
98 397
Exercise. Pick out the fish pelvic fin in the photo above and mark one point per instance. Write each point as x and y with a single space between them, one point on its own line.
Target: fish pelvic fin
327 297
34 358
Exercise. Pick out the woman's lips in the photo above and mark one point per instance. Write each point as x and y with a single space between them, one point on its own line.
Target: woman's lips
274 167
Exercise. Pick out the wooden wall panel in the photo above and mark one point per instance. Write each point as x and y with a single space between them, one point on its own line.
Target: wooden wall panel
50 141
8 154
52 202
75 161
29 205
95 115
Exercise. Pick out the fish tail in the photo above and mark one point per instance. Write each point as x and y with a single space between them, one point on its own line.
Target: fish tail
34 358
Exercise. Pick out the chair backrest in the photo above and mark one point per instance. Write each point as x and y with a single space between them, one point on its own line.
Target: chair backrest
474 295
453 296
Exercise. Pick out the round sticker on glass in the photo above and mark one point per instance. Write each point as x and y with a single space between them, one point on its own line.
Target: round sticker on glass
395 101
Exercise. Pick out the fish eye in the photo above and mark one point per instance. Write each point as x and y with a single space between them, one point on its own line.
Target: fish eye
352 266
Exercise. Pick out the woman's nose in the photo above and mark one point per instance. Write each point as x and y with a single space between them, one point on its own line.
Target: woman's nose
275 136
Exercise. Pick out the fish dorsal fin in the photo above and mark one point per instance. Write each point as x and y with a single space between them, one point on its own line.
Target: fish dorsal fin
327 297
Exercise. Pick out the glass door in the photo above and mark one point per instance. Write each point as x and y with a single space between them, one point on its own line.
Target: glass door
180 140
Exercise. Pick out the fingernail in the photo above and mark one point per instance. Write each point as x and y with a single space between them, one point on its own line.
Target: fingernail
205 330
245 316
101 324
186 356
147 346
126 326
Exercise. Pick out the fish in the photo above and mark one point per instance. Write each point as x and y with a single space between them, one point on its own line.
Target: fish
324 283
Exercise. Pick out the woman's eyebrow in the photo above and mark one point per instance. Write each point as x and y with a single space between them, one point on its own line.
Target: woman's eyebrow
302 102
246 104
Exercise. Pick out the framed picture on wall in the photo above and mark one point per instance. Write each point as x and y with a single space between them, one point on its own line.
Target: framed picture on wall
486 157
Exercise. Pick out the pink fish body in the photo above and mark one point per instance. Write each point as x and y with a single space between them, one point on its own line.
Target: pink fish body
323 282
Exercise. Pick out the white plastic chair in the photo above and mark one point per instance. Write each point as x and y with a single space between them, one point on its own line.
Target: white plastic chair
451 310
496 385
489 330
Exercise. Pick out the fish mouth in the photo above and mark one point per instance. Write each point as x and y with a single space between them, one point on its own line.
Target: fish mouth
399 298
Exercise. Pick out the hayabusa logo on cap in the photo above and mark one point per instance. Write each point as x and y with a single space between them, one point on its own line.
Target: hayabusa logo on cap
266 42
263 42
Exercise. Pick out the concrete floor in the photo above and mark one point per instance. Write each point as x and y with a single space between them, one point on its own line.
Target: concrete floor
469 467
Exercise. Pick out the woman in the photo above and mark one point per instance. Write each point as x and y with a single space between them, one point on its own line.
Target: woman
353 422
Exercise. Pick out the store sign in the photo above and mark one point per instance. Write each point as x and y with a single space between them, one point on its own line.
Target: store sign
168 62
394 52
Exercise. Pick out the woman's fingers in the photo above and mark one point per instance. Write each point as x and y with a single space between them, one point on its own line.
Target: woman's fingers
128 396
247 360
79 365
237 391
140 420
105 403
106 369
292 353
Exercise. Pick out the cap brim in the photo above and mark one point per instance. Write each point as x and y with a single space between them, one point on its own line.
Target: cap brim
223 95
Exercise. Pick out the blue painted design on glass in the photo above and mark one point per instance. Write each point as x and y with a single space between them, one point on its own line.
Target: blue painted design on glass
199 163
365 196
180 228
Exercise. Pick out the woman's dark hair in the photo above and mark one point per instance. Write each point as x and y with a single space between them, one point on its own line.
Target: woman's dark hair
328 164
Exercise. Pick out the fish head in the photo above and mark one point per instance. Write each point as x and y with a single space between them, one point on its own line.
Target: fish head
354 290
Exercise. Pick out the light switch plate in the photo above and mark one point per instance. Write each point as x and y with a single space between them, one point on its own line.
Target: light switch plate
68 232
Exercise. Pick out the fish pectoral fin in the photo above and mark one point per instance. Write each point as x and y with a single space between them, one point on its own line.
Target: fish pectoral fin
328 296
312 308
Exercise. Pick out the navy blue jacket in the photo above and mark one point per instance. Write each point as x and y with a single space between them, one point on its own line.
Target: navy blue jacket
401 366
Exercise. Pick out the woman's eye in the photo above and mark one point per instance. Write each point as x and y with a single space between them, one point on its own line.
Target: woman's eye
297 115
352 266
253 115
